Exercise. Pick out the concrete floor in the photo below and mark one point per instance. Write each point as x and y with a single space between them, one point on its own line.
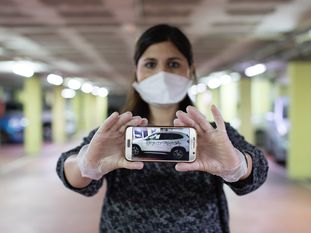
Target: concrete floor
33 200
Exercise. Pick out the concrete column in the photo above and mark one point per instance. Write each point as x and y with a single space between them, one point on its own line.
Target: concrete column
203 102
245 110
58 117
78 111
262 96
299 160
33 113
88 112
101 109
228 101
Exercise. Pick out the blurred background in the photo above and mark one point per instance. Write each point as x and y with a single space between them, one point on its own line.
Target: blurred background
67 64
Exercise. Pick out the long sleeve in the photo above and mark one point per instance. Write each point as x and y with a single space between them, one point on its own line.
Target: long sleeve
94 186
260 165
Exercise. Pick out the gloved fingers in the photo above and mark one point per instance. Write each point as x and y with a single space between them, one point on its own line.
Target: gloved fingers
123 163
123 119
109 122
185 120
198 117
178 122
218 118
135 121
183 167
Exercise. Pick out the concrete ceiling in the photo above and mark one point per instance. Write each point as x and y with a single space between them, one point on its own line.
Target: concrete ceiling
95 38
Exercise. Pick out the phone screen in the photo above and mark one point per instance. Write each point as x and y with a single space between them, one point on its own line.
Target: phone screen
161 144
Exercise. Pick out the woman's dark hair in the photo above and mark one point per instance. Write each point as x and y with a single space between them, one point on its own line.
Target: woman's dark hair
161 33
157 34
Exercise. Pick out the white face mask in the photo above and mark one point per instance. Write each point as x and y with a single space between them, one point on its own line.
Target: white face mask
163 88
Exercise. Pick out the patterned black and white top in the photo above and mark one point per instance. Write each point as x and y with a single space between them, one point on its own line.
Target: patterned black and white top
160 199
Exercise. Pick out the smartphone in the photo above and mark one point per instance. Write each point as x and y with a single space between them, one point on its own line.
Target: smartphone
160 144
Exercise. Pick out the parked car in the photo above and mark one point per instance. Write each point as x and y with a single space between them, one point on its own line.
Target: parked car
166 143
272 132
13 123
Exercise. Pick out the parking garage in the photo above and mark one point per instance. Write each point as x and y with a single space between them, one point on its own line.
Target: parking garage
65 66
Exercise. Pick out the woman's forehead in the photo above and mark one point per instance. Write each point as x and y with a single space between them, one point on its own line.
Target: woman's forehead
163 50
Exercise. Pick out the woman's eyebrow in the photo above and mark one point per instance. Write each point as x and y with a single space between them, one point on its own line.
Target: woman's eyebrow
174 58
149 59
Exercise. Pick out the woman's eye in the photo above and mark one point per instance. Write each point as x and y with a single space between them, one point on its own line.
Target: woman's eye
174 64
150 65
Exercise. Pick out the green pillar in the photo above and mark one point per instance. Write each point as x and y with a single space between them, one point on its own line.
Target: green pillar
203 102
299 160
89 112
245 110
78 111
262 95
101 109
58 118
33 113
228 101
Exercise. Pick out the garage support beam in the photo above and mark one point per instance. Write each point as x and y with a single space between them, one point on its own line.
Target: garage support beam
299 160
101 109
58 116
32 101
245 110
228 101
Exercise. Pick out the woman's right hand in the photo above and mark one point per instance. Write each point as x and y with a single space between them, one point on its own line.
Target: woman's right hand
106 149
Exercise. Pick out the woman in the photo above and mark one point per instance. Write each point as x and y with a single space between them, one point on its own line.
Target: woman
163 197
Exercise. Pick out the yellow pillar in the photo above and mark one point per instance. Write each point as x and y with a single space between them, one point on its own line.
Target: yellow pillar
33 113
228 101
262 95
78 111
89 112
299 160
102 109
58 118
245 110
203 102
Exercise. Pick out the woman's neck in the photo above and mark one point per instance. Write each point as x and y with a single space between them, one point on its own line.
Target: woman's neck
162 116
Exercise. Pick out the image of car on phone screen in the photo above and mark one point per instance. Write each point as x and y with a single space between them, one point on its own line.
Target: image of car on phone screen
169 144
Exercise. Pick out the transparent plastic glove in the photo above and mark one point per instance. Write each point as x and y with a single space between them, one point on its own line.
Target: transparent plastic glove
105 152
86 168
235 173
215 152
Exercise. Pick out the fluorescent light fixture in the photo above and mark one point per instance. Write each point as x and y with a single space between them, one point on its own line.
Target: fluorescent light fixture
55 79
95 90
214 83
23 68
68 93
103 92
87 88
255 70
74 84
225 79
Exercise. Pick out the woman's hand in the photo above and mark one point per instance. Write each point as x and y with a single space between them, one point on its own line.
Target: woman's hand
106 149
215 152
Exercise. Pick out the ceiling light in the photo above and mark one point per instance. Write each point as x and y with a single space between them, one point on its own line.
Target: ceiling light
103 92
95 90
68 93
87 88
214 83
23 68
74 84
255 70
55 79
225 79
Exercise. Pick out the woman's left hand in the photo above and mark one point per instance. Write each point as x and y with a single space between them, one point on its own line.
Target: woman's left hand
215 152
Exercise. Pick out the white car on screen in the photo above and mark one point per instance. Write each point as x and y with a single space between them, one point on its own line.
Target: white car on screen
166 143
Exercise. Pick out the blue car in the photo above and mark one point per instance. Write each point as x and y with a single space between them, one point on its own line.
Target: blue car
12 124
